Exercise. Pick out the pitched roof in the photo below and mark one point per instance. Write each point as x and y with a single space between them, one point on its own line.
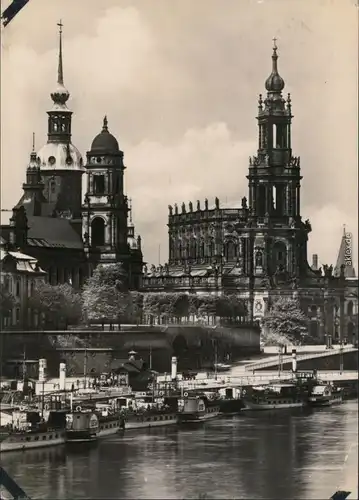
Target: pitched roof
53 232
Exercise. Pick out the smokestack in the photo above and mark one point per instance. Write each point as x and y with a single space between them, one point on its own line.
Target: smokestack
42 370
174 368
294 361
62 376
315 262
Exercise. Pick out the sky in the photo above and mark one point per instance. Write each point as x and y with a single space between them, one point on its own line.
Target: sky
179 82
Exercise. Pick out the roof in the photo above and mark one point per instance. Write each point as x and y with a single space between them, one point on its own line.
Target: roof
52 232
24 263
105 142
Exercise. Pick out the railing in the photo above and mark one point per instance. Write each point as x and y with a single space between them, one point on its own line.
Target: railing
11 486
203 382
287 359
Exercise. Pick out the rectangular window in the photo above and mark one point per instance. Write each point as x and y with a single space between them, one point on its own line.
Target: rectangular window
99 184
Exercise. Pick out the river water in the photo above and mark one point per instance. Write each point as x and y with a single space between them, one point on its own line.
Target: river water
300 454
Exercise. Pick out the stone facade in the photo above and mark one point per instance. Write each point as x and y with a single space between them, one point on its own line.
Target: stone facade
259 250
69 231
19 274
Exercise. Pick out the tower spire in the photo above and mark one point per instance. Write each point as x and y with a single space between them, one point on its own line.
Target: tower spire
61 94
274 83
60 72
33 142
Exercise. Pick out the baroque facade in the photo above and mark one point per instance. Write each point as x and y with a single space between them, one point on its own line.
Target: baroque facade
69 231
258 251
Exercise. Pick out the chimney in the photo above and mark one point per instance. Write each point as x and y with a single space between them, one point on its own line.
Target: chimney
174 368
294 361
62 376
315 262
42 370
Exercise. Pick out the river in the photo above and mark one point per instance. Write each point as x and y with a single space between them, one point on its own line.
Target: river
297 454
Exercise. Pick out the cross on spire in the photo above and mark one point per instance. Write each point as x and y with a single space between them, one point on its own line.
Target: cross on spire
274 43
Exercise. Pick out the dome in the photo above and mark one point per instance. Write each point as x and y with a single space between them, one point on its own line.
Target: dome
59 156
274 83
105 142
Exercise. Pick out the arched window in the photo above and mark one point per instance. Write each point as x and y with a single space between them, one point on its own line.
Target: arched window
98 232
279 256
230 251
350 308
259 258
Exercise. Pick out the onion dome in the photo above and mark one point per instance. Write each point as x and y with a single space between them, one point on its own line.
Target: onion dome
105 142
274 82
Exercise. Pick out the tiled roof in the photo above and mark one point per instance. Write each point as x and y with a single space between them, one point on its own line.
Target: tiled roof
51 232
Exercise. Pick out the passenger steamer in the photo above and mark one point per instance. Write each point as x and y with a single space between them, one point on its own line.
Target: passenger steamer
26 431
198 409
275 397
325 395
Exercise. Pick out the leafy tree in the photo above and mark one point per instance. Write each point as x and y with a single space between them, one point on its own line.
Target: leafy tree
61 305
136 307
105 294
286 320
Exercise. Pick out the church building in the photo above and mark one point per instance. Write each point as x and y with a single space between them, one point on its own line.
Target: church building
259 250
69 232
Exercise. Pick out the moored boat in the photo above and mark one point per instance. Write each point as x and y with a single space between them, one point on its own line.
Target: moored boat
274 397
81 426
27 431
231 401
145 412
325 395
197 409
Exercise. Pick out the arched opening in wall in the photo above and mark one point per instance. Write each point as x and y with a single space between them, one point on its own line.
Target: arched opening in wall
261 201
274 131
279 199
313 329
230 251
351 332
279 256
313 311
350 308
97 232
98 184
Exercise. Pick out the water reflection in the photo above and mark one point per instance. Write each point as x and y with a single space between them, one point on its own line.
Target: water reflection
267 455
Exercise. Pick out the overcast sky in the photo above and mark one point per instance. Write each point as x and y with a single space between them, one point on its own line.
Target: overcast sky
179 81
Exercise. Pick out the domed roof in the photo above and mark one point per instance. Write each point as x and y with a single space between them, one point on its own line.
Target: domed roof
59 156
105 142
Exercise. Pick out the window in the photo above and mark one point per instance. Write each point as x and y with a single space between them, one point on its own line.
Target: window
350 308
99 184
18 288
98 232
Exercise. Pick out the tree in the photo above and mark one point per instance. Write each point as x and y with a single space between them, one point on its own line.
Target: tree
60 304
285 320
105 294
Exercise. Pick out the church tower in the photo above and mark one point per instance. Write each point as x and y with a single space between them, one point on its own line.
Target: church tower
279 239
60 162
33 197
105 207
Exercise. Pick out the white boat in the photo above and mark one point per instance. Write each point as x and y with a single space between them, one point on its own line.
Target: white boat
325 395
274 397
149 419
198 409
